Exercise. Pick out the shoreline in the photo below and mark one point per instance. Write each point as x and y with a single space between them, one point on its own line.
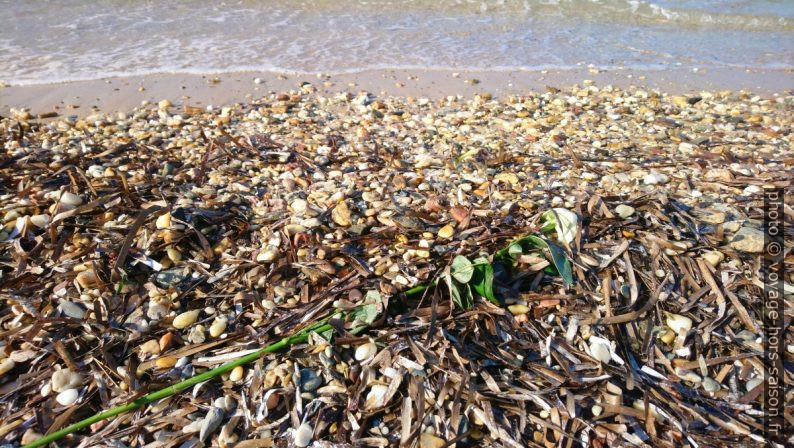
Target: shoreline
121 94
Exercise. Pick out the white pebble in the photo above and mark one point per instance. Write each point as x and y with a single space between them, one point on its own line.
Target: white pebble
366 351
67 397
655 179
71 199
6 366
303 435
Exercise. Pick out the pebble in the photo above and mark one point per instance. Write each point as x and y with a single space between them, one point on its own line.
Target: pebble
218 326
624 211
6 366
165 362
688 375
40 221
87 279
210 423
163 221
715 218
63 379
310 380
710 385
365 351
446 232
518 309
30 436
72 309
655 179
749 240
376 398
268 255
236 374
150 347
341 214
427 440
186 319
714 257
303 435
299 206
71 199
67 397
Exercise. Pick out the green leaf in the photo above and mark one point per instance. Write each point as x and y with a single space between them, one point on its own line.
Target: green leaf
515 250
460 292
554 253
562 264
563 222
482 280
462 269
558 258
368 313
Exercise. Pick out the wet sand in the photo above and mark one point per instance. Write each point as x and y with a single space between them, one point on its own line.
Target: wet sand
81 98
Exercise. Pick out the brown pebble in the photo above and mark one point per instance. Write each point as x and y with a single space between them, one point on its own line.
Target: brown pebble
165 362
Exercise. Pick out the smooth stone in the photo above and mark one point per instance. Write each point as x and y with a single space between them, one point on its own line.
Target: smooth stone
310 381
714 257
655 179
67 397
427 440
303 435
376 398
624 211
218 326
210 423
518 309
185 319
710 385
236 374
63 379
749 240
6 366
715 218
365 351
71 199
72 309
341 214
299 206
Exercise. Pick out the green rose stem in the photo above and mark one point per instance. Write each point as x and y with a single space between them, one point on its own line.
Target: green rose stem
320 327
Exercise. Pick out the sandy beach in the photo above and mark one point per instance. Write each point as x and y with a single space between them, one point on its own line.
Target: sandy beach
83 98
514 270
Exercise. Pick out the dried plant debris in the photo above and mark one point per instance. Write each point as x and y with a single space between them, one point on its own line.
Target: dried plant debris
573 268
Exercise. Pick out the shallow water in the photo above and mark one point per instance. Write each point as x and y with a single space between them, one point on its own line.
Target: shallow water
60 40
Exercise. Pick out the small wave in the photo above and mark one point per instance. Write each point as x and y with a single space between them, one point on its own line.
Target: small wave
256 71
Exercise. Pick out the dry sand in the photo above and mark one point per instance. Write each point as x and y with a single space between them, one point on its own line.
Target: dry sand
122 94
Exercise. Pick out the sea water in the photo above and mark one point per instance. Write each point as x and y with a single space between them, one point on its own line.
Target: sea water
62 40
